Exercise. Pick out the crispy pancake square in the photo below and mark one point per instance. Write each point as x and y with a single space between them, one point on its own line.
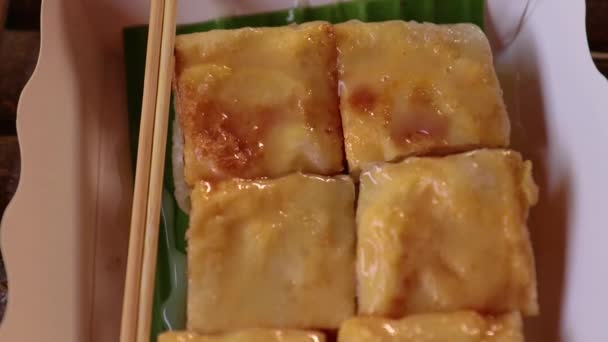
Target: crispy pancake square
251 335
412 89
445 234
258 102
271 253
462 326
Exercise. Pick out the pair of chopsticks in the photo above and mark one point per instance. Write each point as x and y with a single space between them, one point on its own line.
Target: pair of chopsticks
145 214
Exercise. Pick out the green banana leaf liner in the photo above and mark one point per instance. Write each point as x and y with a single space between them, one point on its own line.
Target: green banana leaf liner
169 312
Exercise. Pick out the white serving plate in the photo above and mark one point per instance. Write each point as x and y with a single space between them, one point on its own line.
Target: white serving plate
64 236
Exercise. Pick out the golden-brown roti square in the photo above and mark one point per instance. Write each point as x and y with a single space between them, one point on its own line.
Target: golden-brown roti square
258 102
445 234
271 254
250 335
462 326
410 89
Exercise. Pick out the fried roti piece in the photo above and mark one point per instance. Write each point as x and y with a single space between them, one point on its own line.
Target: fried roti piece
251 335
463 326
271 253
411 89
258 102
446 234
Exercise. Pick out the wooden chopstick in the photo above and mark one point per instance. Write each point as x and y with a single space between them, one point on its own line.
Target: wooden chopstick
142 175
157 167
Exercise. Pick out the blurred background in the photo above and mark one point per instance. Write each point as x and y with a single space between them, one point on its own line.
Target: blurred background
19 44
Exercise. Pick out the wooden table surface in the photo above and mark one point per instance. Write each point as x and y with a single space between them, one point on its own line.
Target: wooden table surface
19 45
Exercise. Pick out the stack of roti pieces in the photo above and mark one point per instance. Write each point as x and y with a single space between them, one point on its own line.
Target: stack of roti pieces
351 178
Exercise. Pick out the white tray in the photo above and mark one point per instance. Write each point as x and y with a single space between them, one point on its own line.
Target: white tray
64 236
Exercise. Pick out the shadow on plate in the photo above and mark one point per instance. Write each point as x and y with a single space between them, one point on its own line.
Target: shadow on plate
518 71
